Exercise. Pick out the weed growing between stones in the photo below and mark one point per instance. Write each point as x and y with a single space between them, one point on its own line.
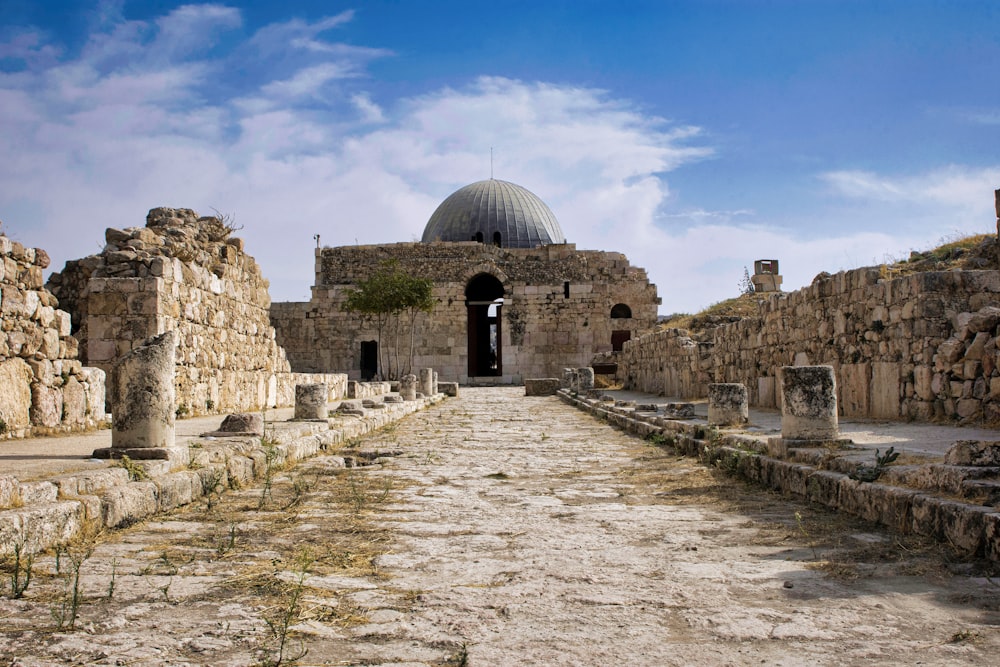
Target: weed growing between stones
136 473
872 473
19 567
270 457
282 618
67 606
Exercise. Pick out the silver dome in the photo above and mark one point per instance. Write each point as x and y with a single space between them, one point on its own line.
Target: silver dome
494 212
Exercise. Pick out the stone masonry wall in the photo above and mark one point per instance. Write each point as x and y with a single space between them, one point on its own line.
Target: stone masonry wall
44 388
920 347
556 311
186 273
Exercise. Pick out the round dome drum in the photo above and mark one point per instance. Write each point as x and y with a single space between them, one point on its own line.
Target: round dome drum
495 212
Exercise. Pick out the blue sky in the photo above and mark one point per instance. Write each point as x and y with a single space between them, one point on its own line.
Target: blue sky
695 137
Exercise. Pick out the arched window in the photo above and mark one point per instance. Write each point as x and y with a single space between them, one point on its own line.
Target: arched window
479 237
496 239
620 311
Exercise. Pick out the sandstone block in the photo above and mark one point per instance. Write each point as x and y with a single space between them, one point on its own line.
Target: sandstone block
541 386
125 505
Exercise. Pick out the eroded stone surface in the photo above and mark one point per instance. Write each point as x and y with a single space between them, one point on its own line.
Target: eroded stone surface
500 530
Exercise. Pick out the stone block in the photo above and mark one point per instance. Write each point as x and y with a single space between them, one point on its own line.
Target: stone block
124 505
15 393
542 386
885 390
809 403
728 404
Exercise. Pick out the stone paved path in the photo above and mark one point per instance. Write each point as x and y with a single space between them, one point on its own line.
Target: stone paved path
507 530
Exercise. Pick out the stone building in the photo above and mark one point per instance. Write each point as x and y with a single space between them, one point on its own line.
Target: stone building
512 298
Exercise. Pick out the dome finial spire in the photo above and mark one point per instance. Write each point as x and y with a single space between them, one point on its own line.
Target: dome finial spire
491 163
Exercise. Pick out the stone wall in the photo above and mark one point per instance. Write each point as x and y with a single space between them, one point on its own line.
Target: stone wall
921 347
556 311
44 388
186 273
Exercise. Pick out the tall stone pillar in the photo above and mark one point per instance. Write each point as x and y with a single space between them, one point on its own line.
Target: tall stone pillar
728 404
408 387
434 384
310 401
808 403
142 402
426 381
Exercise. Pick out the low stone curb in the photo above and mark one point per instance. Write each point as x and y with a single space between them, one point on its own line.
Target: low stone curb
973 530
43 514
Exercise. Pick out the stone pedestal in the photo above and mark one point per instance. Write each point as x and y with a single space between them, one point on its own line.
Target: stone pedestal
426 386
568 379
408 387
728 404
142 396
585 379
809 403
310 401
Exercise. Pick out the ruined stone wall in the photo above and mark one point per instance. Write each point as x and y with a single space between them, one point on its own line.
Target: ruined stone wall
921 347
557 309
668 363
186 273
43 386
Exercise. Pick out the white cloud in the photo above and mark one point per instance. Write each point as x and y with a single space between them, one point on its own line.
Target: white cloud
308 82
96 140
951 185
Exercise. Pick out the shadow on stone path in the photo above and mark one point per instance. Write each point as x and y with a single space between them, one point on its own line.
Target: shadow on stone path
506 530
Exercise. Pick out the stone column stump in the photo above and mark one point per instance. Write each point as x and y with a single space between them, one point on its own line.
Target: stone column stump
434 384
426 386
809 403
310 401
568 379
143 408
585 379
728 404
408 387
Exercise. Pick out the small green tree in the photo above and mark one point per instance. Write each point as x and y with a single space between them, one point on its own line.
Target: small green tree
383 297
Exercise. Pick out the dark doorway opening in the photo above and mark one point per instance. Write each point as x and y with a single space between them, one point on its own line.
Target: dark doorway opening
484 301
369 359
618 338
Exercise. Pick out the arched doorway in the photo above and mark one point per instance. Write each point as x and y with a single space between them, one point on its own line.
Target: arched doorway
484 300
